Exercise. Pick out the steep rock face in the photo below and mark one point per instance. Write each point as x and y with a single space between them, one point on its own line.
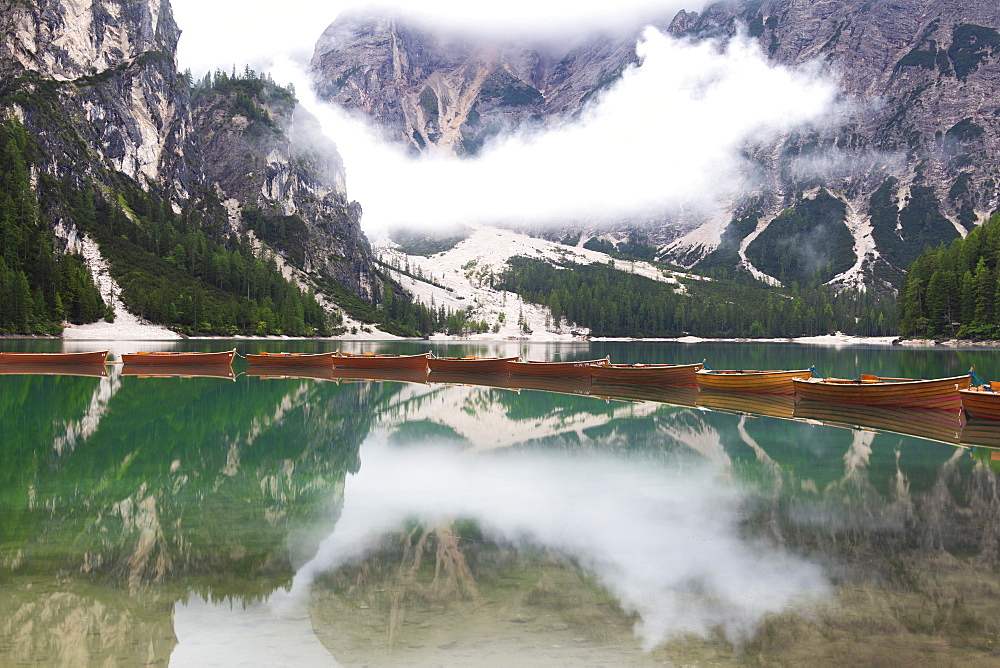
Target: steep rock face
921 80
431 89
95 82
274 157
920 128
109 70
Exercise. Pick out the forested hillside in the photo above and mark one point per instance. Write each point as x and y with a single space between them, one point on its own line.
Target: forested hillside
613 302
954 290
39 287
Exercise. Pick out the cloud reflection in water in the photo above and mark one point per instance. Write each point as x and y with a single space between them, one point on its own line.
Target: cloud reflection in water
663 539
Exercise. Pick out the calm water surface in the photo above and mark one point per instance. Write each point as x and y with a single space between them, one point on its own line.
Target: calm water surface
321 521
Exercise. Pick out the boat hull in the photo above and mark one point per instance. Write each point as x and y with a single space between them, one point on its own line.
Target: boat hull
224 358
379 361
582 369
96 357
470 364
286 360
646 374
981 403
937 393
768 382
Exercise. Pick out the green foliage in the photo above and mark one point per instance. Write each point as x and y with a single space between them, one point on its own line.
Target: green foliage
631 249
809 243
508 90
970 46
953 290
249 92
429 104
726 256
415 243
39 288
965 130
921 222
285 233
617 303
183 270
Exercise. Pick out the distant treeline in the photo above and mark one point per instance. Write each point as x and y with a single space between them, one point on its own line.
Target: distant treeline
613 302
954 289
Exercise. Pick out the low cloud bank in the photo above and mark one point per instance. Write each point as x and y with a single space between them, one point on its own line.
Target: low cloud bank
668 135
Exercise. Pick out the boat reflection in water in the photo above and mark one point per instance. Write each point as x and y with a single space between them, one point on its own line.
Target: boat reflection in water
92 370
934 425
178 371
748 403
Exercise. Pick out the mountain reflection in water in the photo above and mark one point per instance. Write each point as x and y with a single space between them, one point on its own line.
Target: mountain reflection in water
280 519
663 539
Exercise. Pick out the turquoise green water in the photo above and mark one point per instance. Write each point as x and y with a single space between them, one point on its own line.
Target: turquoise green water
279 521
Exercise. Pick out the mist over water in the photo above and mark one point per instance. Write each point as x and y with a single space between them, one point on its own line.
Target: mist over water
664 540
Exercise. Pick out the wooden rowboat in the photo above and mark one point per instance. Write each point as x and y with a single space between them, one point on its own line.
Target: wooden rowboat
174 358
771 382
291 359
937 393
646 374
980 402
470 364
379 361
581 369
96 357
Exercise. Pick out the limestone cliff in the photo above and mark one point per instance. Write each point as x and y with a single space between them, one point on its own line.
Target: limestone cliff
445 90
95 83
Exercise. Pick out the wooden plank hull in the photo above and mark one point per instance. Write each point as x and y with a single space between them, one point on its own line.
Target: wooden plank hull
769 382
534 369
96 357
470 364
286 360
937 393
224 358
943 426
646 374
981 403
379 361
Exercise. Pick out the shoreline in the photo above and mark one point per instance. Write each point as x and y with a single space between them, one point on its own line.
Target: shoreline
153 333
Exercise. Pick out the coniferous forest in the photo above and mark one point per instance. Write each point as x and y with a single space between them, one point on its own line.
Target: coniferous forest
617 303
39 287
954 290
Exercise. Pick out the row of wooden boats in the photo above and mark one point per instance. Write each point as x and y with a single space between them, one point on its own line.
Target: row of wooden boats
950 393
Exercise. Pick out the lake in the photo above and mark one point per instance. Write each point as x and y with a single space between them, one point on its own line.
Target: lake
260 520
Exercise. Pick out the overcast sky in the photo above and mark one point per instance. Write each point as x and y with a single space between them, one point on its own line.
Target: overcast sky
223 33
